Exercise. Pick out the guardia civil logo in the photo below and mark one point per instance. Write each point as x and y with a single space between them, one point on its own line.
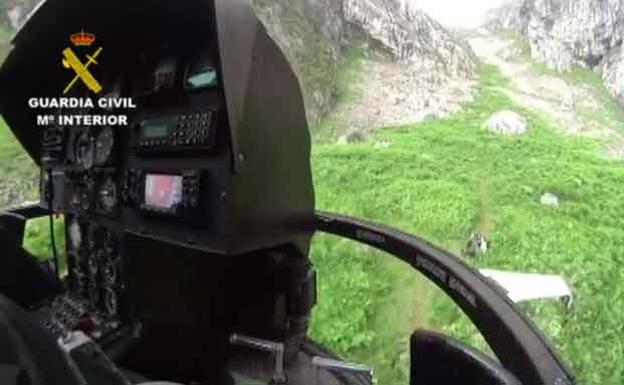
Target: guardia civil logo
80 70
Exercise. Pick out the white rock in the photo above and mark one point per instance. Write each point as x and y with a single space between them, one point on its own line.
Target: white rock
16 16
478 245
613 74
549 199
507 123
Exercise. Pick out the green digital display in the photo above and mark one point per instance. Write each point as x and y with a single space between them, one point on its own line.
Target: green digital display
154 130
201 73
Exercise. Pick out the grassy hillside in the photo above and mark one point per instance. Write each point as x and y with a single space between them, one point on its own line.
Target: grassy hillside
18 179
443 180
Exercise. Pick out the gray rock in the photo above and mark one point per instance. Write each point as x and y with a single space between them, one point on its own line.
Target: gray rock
567 102
549 199
353 136
510 53
613 74
15 15
478 245
383 144
507 123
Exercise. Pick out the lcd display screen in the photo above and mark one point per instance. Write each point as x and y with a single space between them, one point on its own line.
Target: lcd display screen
201 73
163 191
155 131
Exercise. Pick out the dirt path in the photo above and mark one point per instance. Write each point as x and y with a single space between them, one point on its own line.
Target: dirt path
573 107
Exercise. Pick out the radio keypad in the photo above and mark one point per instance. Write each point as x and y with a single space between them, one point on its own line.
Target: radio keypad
193 129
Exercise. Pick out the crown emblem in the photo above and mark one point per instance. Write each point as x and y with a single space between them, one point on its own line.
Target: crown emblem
82 39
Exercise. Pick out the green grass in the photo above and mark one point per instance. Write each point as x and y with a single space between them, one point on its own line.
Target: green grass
18 169
444 179
5 33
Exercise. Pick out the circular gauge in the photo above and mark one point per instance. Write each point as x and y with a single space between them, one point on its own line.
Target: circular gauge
110 272
75 234
104 144
107 195
111 304
84 150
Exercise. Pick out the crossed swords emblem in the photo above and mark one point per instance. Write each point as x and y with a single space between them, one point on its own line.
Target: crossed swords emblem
71 60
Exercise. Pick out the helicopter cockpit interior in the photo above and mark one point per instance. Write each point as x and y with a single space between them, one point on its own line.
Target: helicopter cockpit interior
173 140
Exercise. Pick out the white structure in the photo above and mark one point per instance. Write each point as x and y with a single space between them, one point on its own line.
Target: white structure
521 287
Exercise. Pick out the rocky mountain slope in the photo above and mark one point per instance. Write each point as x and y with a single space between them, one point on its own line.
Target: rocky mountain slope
568 33
315 33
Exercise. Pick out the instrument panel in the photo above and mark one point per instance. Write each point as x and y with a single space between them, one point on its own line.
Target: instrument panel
150 176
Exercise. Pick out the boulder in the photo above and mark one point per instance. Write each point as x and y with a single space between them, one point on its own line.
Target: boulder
510 53
477 245
353 136
507 123
15 15
382 144
550 199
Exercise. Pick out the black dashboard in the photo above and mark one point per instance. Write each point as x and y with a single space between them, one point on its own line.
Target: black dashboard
154 177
